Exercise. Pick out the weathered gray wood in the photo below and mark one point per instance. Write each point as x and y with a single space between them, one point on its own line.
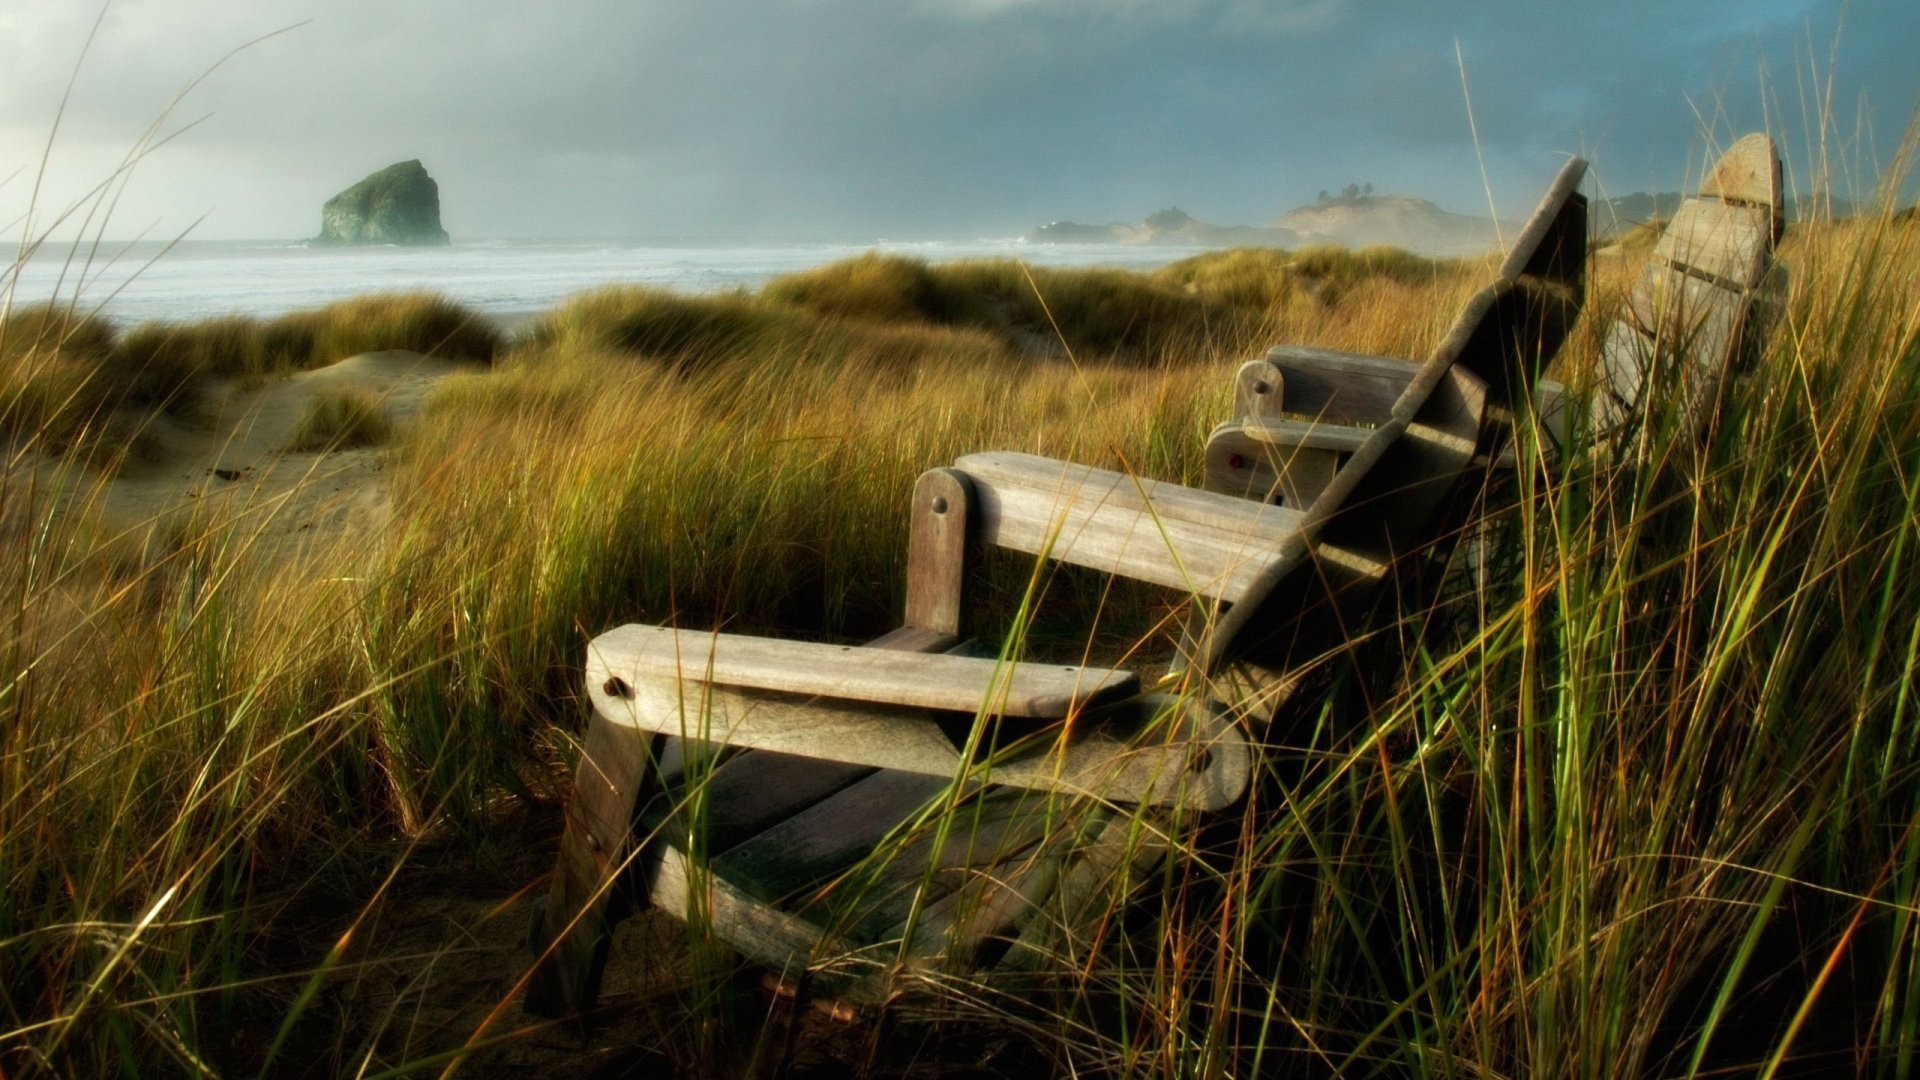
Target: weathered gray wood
743 796
639 653
1626 357
818 843
1121 844
1246 467
1686 322
1394 482
937 550
1685 313
1169 502
1377 510
982 835
1307 434
1749 172
594 846
1184 538
1337 388
1238 466
1258 390
1689 325
1196 759
1726 244
1552 246
989 897
1340 387
784 942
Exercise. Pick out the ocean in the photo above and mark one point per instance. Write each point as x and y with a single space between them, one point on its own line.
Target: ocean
505 279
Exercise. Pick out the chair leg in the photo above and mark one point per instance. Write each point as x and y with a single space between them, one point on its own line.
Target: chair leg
575 928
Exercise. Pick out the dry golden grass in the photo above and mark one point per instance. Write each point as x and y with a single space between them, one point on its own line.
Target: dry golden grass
1572 830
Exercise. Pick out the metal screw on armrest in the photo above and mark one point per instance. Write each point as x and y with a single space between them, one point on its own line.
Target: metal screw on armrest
1261 387
939 504
617 687
1235 461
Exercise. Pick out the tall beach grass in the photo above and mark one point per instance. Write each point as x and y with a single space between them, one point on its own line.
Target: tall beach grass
1643 803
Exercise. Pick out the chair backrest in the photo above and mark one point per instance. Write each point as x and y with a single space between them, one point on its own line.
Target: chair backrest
1238 554
1380 507
1689 320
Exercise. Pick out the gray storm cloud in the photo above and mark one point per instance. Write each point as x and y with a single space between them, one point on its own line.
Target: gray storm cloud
785 119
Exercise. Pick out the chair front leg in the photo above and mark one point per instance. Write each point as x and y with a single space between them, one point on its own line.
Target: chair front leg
575 930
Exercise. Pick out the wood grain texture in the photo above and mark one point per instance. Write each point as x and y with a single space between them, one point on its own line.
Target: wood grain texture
1119 849
784 942
1239 466
1749 172
1702 300
1258 390
1379 501
1148 749
937 550
1340 387
1730 245
852 673
1247 467
1551 246
1686 315
1382 504
743 796
595 845
816 844
1307 434
915 873
989 897
1184 538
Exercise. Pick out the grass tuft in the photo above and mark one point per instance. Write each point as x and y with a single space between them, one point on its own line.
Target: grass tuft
340 418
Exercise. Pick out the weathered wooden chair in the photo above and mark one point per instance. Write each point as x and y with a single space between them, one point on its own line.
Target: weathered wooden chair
756 777
1709 287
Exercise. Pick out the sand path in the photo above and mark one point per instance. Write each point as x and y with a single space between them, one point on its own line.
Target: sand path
232 464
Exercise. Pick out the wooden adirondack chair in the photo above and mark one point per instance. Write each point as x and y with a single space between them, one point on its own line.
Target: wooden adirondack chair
1003 784
1708 289
1707 292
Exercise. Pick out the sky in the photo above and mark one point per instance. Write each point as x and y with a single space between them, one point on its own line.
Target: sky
783 120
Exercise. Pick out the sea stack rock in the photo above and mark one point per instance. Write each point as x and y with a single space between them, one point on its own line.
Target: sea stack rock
400 204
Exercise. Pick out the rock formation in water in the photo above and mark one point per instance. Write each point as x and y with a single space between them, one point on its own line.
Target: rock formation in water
400 204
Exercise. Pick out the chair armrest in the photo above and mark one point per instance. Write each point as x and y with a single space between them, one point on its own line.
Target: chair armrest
1142 748
1184 538
1305 434
965 684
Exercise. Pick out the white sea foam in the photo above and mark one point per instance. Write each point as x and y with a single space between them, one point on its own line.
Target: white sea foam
198 279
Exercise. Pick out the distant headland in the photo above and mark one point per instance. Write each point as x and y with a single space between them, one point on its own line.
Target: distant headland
400 204
1351 219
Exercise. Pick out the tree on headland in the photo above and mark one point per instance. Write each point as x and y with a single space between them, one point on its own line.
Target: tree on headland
1171 218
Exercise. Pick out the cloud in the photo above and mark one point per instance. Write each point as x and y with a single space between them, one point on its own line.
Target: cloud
851 118
1258 17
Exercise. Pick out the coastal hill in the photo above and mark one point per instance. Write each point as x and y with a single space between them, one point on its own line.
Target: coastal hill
1403 221
400 204
1352 220
1172 227
1355 220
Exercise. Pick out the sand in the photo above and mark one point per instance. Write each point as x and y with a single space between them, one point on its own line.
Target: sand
231 463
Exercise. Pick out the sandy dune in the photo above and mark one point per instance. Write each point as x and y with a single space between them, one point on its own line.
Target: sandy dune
231 463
